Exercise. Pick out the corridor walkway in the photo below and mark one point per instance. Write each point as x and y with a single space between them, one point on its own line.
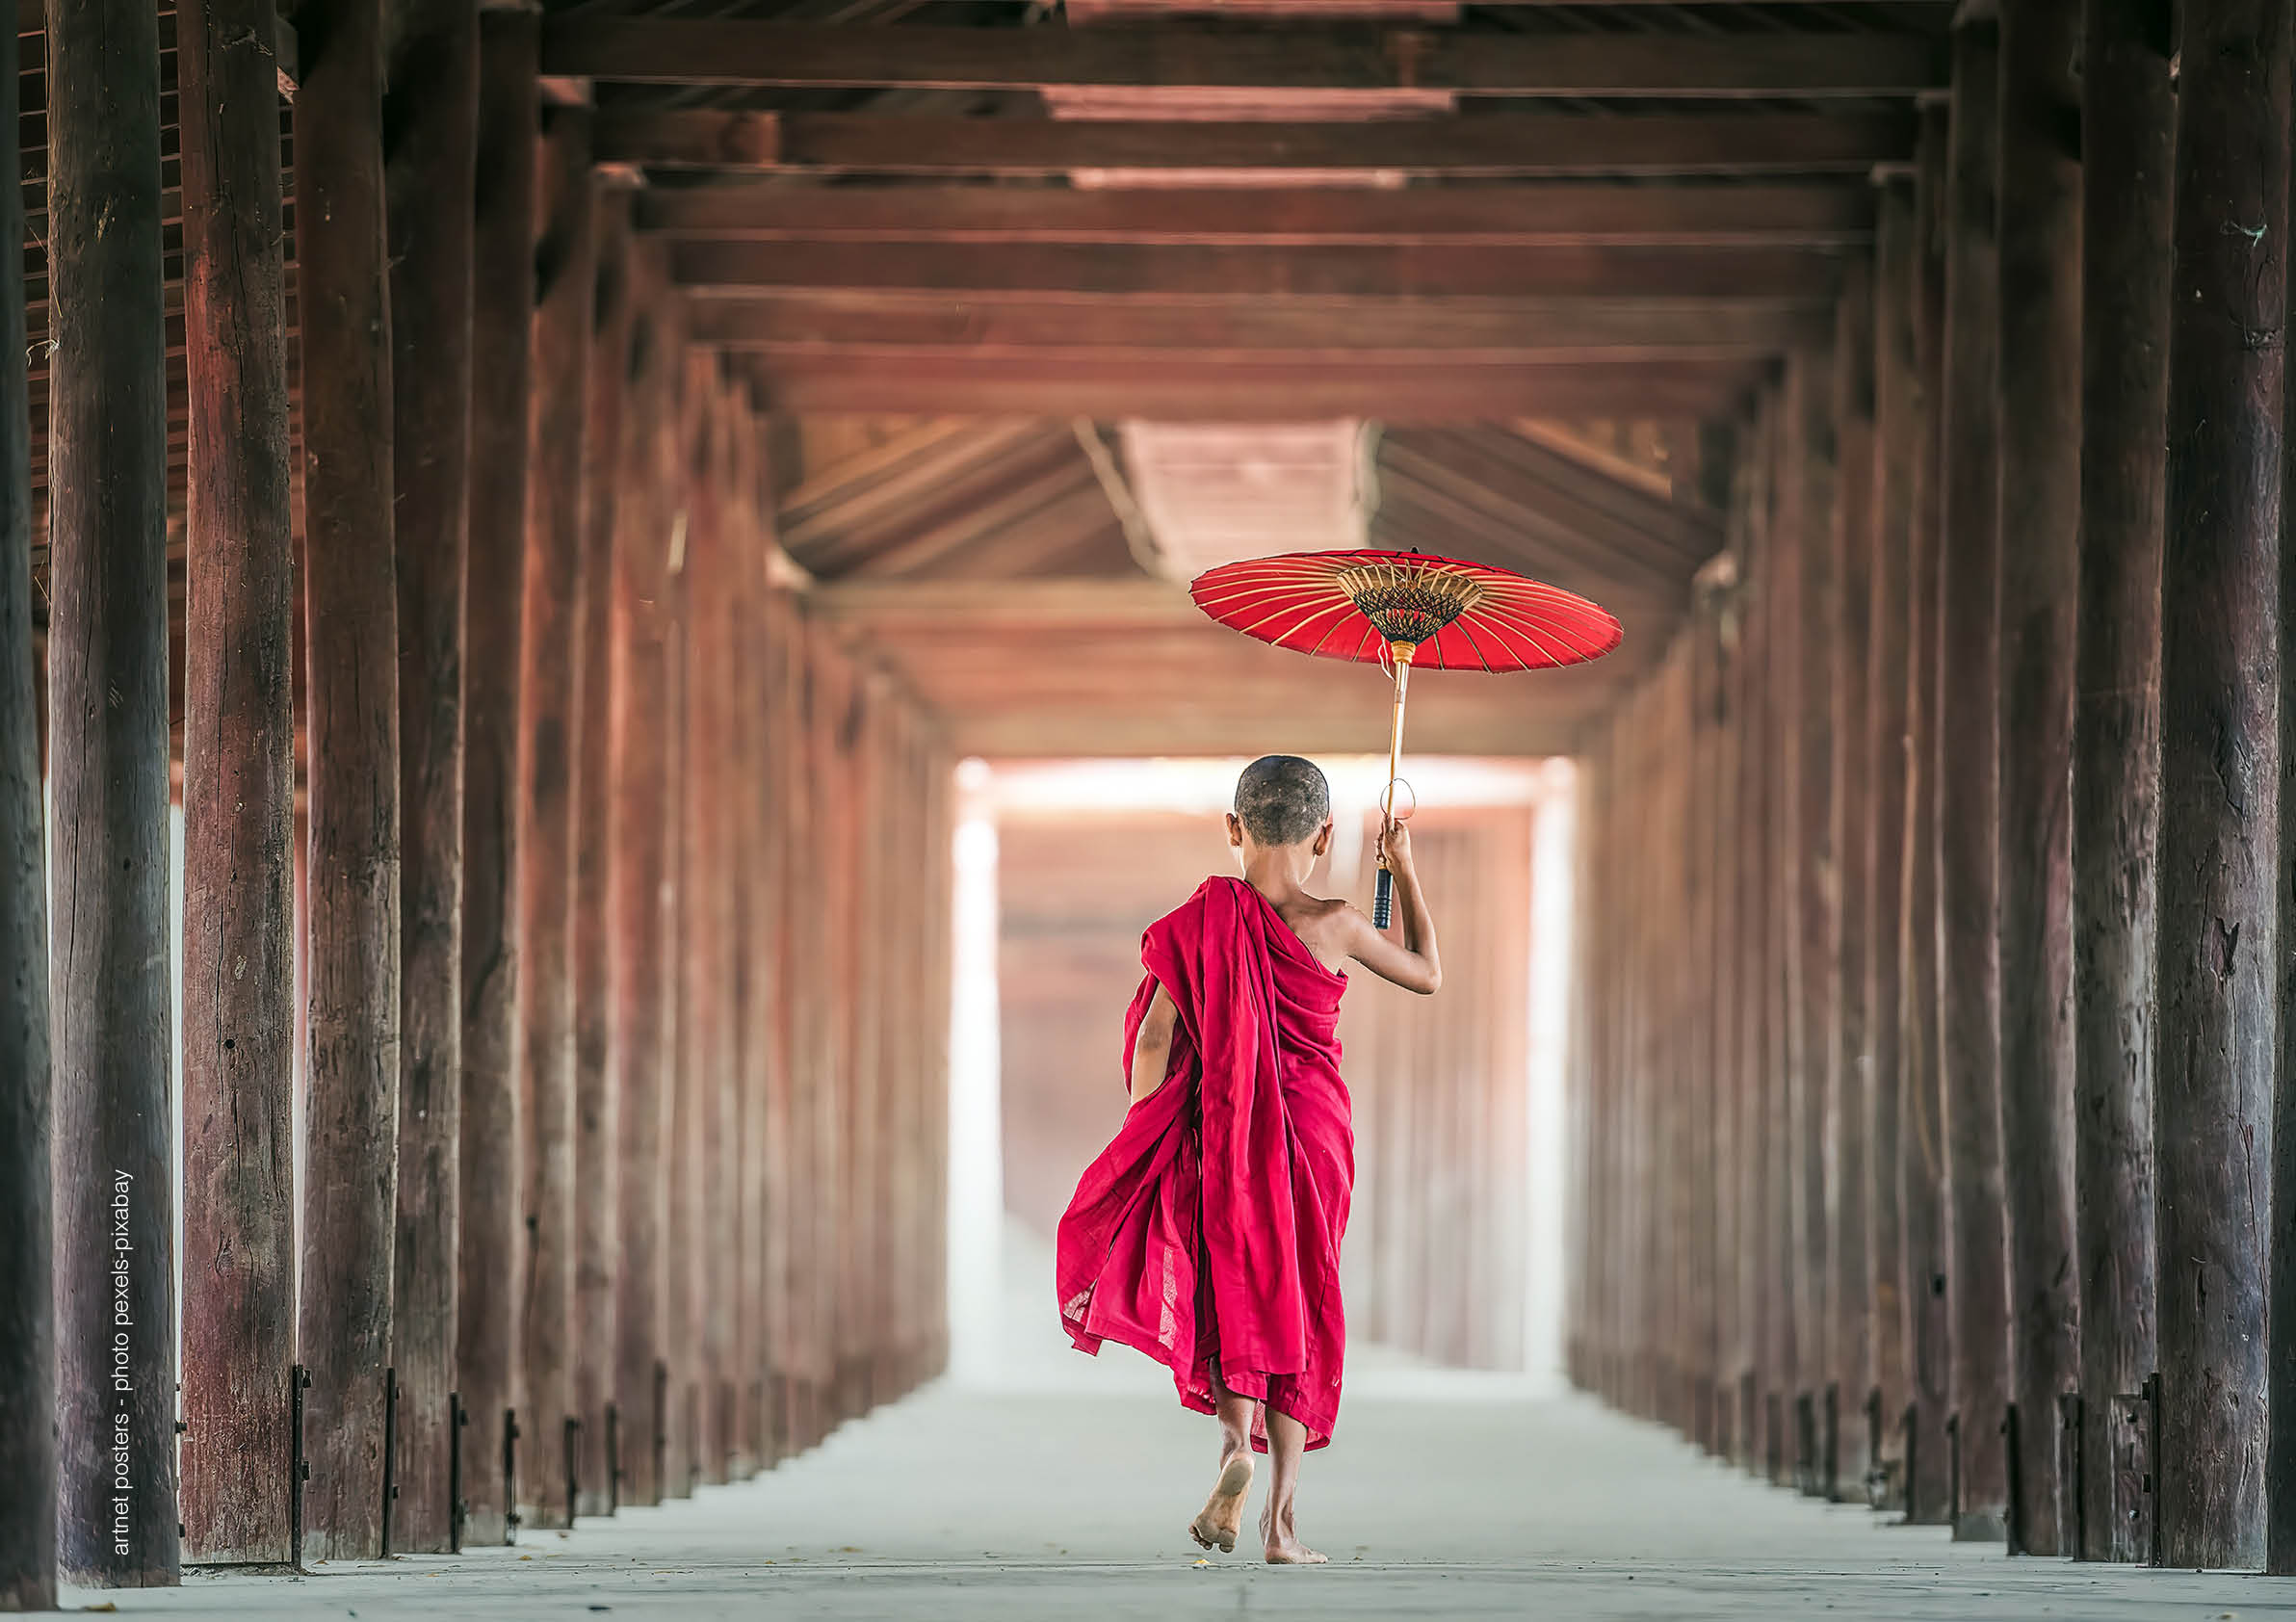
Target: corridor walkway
1439 1499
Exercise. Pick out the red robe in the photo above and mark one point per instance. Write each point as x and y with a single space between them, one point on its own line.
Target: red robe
1211 1227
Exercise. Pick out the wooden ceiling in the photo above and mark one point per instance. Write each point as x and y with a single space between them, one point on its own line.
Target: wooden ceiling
1482 234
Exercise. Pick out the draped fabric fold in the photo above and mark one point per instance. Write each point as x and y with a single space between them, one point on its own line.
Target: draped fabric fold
1211 1226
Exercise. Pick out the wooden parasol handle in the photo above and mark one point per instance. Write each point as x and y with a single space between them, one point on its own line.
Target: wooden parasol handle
1383 894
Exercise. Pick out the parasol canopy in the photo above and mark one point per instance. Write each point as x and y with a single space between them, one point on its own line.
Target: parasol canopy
1408 608
1401 609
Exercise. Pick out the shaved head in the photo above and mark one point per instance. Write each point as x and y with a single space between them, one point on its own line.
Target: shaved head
1282 799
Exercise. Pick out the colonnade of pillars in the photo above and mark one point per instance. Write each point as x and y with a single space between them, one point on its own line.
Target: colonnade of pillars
1936 1102
561 1094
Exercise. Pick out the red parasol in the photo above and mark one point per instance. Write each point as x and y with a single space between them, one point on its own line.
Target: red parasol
1401 609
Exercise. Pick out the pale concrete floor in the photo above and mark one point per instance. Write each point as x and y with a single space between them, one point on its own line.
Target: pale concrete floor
1440 1498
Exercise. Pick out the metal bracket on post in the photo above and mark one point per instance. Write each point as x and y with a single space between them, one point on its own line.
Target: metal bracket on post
511 1517
298 1465
2013 1522
614 1460
573 1431
458 1511
1953 1470
390 1453
2147 1425
661 1431
1829 1450
2073 1463
1912 1428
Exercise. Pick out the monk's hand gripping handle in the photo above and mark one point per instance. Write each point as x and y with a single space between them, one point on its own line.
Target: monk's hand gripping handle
1383 900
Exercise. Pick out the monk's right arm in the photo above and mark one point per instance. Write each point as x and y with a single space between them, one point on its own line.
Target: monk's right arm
1152 1048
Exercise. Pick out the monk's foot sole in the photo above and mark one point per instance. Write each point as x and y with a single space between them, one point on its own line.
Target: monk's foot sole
1234 1480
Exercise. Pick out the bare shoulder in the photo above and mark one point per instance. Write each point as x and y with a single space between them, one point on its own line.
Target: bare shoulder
1331 928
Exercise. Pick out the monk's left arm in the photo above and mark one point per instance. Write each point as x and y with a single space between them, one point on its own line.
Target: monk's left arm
1152 1048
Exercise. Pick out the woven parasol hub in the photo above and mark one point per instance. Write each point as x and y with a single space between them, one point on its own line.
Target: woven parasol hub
1409 603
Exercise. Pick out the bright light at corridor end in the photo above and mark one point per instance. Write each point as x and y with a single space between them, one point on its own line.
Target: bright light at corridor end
987 793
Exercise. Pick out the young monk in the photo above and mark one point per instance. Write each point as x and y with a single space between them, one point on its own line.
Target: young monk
1208 1234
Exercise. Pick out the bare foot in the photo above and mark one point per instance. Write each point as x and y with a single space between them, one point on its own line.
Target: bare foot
1216 1525
1283 1548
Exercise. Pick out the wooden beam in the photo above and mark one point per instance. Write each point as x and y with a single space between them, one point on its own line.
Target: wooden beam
1186 390
2222 856
238 807
2128 157
1501 145
489 1312
2039 505
1516 215
350 604
429 171
550 766
1554 330
1967 787
651 50
1169 270
28 1443
108 773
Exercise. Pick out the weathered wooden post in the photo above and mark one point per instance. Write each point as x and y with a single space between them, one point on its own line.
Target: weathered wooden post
550 709
488 1309
429 172
1849 1295
238 797
637 833
351 605
597 1107
27 1222
2220 773
1967 786
1897 392
2039 506
1921 1135
2128 153
1756 1283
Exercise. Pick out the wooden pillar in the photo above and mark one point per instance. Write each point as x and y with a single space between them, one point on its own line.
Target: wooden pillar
1813 984
350 596
550 709
2039 505
1896 404
2220 776
238 798
637 838
2128 147
1723 1014
1785 1183
705 912
1755 1281
1921 1138
1967 789
27 1222
429 176
1849 1295
751 811
597 1109
488 1313
785 759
